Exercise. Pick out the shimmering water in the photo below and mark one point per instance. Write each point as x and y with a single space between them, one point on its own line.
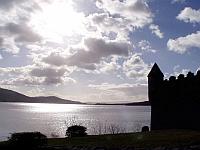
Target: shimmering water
52 119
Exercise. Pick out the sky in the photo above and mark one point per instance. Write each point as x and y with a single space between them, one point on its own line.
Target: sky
95 50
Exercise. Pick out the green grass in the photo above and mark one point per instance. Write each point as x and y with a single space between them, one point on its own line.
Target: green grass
168 138
150 139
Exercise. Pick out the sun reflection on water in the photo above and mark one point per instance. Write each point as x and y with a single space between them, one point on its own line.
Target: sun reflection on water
38 107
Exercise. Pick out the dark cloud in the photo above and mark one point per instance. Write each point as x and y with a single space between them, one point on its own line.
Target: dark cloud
7 4
96 50
92 53
35 75
22 32
1 41
48 72
55 59
50 75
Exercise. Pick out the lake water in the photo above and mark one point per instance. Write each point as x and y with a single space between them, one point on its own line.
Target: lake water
53 119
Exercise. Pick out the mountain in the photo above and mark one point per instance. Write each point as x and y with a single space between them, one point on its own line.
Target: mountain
12 96
144 103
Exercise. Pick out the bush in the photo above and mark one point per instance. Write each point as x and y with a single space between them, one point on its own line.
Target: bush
145 129
76 131
29 139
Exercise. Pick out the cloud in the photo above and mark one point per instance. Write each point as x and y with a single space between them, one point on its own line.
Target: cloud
91 53
7 4
136 68
125 91
177 71
50 75
111 66
182 44
87 8
109 25
119 18
155 30
55 59
15 28
21 81
8 44
22 32
135 11
146 46
189 15
178 1
35 75
13 35
47 72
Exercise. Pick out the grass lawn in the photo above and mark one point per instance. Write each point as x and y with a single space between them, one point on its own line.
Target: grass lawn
168 138
148 139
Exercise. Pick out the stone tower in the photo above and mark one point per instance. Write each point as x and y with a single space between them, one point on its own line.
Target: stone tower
155 80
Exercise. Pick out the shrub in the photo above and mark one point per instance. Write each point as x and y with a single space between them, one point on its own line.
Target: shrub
76 131
29 139
145 129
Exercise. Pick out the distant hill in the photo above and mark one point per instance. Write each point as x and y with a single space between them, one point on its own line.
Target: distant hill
144 103
12 96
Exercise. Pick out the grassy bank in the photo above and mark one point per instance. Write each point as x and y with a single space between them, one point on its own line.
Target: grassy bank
168 138
149 139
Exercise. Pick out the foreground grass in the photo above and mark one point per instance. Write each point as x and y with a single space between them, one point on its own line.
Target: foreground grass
148 139
168 138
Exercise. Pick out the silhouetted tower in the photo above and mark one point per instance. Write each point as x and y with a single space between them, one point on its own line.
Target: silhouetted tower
155 80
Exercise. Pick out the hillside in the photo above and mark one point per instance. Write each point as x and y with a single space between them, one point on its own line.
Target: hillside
12 96
144 103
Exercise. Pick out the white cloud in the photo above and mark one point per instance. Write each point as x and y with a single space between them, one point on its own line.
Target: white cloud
8 44
136 68
22 80
125 91
136 11
146 46
87 8
177 71
105 23
155 30
189 15
121 17
178 1
183 44
108 67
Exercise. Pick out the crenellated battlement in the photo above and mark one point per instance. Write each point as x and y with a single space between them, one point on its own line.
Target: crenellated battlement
182 77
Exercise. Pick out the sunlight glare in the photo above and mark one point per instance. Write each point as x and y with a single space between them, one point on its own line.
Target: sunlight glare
58 20
42 107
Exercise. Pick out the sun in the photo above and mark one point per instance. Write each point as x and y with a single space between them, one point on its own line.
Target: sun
57 20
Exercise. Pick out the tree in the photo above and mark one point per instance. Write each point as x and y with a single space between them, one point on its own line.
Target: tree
76 131
145 129
28 139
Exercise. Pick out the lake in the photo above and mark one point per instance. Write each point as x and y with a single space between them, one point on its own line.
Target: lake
53 119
